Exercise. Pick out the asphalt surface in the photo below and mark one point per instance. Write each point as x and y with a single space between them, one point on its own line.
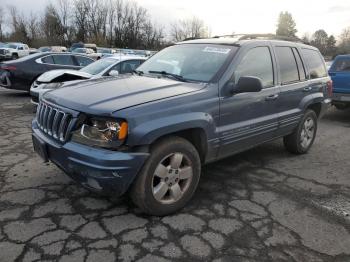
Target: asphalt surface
261 205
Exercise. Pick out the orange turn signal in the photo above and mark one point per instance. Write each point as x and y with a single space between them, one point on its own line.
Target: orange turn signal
123 131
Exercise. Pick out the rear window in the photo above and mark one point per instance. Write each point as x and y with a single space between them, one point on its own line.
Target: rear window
315 63
47 60
63 60
341 65
288 65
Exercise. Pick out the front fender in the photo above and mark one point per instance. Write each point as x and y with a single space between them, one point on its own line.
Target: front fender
148 132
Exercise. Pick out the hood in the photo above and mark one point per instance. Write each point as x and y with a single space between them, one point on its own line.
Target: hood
106 95
62 75
6 48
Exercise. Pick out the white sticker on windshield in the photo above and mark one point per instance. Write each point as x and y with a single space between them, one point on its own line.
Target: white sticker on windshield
211 49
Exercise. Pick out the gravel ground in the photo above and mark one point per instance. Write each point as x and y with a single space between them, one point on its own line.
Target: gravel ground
261 205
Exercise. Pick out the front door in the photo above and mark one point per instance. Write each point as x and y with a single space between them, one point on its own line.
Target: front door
248 119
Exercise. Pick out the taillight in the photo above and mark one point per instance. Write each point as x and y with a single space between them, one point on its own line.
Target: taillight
8 67
330 88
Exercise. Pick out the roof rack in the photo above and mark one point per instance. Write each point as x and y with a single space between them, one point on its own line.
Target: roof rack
263 37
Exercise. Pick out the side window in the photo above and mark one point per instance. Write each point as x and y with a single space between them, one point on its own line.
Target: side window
63 60
128 66
47 60
287 64
20 48
315 63
341 65
302 73
116 67
257 62
83 61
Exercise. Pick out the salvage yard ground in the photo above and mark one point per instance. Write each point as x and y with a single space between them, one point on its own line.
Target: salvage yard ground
261 205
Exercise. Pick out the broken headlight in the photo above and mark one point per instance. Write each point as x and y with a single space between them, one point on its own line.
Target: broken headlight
101 133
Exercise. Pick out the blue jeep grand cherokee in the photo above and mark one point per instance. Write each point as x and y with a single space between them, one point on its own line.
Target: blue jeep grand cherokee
198 101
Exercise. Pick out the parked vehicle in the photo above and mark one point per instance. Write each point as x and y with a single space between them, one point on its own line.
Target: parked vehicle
82 45
2 44
329 64
105 52
33 51
340 74
192 103
53 49
87 51
11 51
21 73
111 66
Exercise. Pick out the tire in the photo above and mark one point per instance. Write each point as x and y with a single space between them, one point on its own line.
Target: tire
14 56
157 192
301 140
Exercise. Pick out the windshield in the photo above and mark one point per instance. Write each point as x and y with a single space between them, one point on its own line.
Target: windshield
13 46
196 62
98 66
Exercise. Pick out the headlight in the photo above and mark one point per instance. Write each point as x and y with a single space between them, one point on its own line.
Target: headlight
7 51
52 86
102 133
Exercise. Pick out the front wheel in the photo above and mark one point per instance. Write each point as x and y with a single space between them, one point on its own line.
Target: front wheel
14 57
301 140
169 177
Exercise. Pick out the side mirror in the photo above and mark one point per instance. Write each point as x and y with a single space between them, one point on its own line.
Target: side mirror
113 73
247 84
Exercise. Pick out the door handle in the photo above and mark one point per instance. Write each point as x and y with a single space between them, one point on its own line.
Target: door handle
307 89
271 97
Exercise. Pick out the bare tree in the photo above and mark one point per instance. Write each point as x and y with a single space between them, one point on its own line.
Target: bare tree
189 28
2 22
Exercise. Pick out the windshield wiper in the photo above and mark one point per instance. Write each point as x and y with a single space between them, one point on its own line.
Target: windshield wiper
138 72
164 73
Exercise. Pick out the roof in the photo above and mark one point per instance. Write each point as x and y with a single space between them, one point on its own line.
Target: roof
244 38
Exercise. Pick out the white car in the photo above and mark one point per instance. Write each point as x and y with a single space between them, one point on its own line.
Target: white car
89 52
110 66
11 51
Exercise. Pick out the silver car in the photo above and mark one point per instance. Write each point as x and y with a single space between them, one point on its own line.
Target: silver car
111 66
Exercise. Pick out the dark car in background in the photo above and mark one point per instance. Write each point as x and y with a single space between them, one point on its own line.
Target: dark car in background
340 74
20 74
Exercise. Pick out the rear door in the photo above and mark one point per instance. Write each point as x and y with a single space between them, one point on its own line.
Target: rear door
340 74
247 119
293 85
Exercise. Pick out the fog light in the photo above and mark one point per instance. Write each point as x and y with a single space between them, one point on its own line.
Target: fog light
93 184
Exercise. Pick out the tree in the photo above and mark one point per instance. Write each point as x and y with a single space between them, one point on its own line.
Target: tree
188 28
286 25
344 42
320 39
2 21
331 46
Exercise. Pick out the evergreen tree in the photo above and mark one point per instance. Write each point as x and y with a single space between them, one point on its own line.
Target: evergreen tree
286 25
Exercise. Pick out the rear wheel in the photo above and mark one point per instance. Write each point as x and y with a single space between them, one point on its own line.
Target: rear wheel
301 140
169 177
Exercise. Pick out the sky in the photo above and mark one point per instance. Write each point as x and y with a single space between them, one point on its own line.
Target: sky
243 16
